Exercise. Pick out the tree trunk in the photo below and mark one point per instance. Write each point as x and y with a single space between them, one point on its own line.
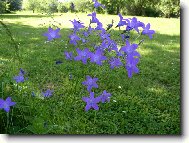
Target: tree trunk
118 10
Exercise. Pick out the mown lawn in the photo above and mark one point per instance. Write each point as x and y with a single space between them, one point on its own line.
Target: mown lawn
148 103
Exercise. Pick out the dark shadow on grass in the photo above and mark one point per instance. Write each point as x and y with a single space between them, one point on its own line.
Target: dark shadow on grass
16 16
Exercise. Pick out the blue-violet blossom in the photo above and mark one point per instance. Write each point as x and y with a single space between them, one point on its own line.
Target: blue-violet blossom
90 83
5 104
91 102
52 34
83 55
105 96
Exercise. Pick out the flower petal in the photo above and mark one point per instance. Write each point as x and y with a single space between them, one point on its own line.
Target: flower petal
7 109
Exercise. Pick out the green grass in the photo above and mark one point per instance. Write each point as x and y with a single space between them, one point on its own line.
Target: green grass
148 103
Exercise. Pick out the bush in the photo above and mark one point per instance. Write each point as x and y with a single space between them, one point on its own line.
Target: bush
15 5
52 8
151 12
2 7
170 8
62 8
83 6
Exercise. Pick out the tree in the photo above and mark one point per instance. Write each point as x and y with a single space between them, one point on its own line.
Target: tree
72 7
2 7
170 8
114 6
30 4
15 4
48 6
10 5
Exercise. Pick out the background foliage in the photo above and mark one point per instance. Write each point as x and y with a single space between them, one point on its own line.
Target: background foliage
155 8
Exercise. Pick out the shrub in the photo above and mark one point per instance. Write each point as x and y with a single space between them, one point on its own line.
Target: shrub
62 8
2 7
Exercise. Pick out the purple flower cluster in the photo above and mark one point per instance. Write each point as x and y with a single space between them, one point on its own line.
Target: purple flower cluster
91 101
83 55
5 104
20 78
74 38
98 54
107 51
115 62
133 23
130 51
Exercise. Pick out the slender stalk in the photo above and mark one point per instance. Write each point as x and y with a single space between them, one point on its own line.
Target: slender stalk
2 86
137 37
141 41
7 122
16 45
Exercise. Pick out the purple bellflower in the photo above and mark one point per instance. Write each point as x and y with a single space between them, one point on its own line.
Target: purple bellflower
147 31
85 33
20 77
131 66
108 44
21 71
68 55
77 25
105 96
130 49
91 101
94 19
90 83
5 104
121 21
73 39
115 62
97 57
52 34
84 40
90 29
134 24
47 93
104 35
120 53
83 55
105 44
112 46
125 37
97 4
99 26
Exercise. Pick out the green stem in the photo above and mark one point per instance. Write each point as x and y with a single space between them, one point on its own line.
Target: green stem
16 45
7 122
2 86
94 117
141 41
137 37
